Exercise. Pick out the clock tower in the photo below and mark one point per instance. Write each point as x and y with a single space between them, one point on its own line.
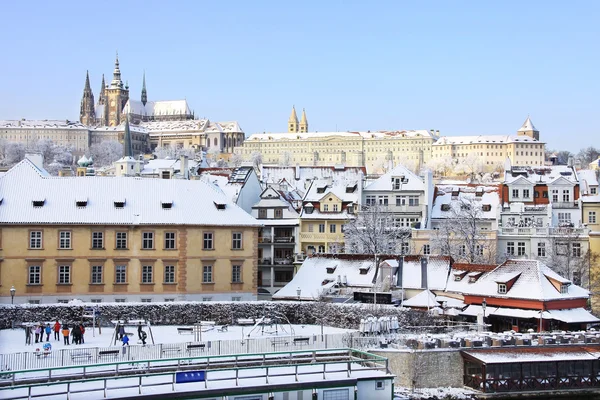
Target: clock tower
116 96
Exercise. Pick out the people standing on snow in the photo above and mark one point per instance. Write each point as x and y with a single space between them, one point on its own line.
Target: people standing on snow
76 333
38 332
143 337
65 332
82 331
121 331
48 329
56 330
27 334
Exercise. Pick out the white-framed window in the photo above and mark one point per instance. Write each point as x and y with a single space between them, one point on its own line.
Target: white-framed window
119 300
462 250
64 239
97 240
169 274
554 195
502 288
207 299
35 239
311 227
325 207
170 241
564 217
510 248
593 190
121 240
147 240
35 275
207 243
426 249
336 208
479 249
147 273
321 248
236 240
400 201
521 248
146 300
169 300
96 276
95 300
525 193
382 200
576 250
591 217
541 249
564 289
515 193
379 385
413 200
236 274
332 228
566 195
404 248
64 274
207 274
120 273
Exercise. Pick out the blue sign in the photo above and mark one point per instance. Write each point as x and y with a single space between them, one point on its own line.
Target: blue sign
190 376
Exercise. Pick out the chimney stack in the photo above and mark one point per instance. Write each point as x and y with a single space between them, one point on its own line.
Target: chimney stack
424 283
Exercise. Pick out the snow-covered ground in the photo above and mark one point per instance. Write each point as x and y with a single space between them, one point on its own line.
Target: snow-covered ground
434 393
13 340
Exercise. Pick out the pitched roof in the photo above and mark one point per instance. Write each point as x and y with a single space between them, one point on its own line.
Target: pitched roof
384 183
489 196
357 135
542 174
490 139
527 126
193 201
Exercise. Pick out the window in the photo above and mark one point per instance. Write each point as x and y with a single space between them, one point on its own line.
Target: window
35 239
169 300
370 200
321 228
413 200
169 274
121 240
96 277
525 193
278 213
147 240
336 208
426 249
400 201
64 274
592 217
236 274
236 298
121 274
336 394
593 190
207 299
462 250
262 213
566 195
576 249
236 240
311 228
170 242
541 249
515 193
321 249
545 194
64 239
95 300
146 300
147 274
564 289
554 195
97 240
502 288
479 249
564 218
521 248
510 248
35 275
379 385
208 241
34 302
383 200
404 248
207 273
325 207
332 228
119 300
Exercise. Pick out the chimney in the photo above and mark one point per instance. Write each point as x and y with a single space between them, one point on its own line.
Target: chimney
399 271
184 168
424 283
297 171
360 188
570 162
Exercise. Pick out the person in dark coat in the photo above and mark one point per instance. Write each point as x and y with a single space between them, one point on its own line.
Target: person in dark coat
76 333
28 335
121 331
81 333
143 337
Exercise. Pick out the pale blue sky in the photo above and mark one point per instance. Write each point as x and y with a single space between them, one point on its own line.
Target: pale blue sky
463 67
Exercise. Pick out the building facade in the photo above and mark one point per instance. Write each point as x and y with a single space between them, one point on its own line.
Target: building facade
64 133
122 239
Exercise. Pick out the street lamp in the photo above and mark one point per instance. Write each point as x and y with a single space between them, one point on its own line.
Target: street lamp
12 294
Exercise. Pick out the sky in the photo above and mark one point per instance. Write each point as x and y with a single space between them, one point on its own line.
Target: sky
460 67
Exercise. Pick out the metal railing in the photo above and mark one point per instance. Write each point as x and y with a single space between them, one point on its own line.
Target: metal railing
23 383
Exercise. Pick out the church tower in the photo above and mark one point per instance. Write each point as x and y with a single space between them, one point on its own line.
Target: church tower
529 130
87 115
303 122
102 98
144 93
293 121
116 97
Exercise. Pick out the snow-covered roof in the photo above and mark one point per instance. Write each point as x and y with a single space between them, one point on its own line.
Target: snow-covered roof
152 167
345 190
532 354
527 126
423 133
142 201
45 123
296 176
157 108
222 184
385 182
484 139
587 180
438 268
313 280
571 316
489 196
175 126
532 282
425 299
541 175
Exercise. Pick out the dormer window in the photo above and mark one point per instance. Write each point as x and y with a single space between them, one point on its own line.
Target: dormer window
120 203
363 270
351 188
455 192
166 204
502 288
321 189
219 205
81 203
331 270
486 207
39 202
564 288
479 192
309 208
445 207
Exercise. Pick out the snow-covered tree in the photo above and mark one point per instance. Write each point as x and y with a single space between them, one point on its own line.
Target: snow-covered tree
257 159
441 166
236 159
105 153
13 153
285 159
172 152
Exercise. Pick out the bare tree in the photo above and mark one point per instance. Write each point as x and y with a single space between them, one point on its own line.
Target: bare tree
257 159
565 254
236 159
13 153
286 159
173 152
460 235
106 152
587 155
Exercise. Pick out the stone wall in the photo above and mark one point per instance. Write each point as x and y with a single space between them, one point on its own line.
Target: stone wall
425 368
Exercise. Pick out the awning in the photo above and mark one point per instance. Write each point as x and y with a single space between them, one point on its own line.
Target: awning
516 313
571 316
474 310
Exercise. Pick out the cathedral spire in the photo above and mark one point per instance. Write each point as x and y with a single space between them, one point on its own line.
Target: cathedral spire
87 88
116 82
127 147
144 93
303 122
293 121
87 114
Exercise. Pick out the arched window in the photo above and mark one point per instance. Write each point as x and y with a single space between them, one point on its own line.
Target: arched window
215 141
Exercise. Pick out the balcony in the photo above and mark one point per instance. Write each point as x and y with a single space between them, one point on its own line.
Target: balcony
321 237
276 261
530 231
566 204
276 239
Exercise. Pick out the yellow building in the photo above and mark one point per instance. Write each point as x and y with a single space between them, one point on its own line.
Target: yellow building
490 151
590 207
327 207
122 239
